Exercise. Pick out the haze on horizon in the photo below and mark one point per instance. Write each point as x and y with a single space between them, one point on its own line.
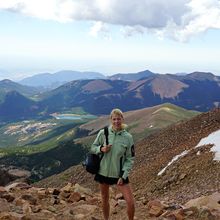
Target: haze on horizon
108 36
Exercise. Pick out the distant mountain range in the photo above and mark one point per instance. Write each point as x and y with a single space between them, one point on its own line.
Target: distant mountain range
54 80
197 91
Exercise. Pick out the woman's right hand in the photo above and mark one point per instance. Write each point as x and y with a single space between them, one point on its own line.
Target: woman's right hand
106 148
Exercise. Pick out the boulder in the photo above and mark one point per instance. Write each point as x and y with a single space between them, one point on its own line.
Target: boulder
211 202
11 174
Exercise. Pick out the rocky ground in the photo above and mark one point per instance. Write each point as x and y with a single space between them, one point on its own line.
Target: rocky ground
193 175
20 201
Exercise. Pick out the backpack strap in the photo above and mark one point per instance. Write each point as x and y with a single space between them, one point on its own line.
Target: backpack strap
106 139
106 135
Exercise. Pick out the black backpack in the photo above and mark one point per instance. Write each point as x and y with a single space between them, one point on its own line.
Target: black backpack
92 162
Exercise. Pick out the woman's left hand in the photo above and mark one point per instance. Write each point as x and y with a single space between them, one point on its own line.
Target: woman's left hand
120 181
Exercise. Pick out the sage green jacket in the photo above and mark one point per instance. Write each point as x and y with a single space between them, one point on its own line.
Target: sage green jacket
119 160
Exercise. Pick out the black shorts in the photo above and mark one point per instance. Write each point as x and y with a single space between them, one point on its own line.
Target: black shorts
108 180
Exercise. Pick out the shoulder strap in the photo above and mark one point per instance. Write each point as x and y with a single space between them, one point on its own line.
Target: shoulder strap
106 134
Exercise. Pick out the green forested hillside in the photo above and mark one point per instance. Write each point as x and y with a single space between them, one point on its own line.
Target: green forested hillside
43 147
27 137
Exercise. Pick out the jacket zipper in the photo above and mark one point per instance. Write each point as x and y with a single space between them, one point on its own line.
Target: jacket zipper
109 163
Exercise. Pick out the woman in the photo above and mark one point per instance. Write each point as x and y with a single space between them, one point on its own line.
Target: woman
116 163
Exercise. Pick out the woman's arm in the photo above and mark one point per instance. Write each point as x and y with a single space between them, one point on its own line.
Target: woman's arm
129 159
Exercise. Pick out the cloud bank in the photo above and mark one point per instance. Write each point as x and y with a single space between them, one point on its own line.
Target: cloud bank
180 19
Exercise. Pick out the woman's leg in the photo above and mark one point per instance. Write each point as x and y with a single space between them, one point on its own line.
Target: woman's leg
105 200
128 196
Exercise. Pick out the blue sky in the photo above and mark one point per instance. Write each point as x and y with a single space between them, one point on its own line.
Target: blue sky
108 36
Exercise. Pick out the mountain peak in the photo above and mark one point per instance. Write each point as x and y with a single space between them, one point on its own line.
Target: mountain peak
167 87
95 86
202 75
132 76
6 81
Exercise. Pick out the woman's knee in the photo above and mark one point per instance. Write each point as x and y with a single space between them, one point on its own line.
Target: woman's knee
128 195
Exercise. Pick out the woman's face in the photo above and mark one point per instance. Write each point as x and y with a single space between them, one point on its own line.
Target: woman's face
116 121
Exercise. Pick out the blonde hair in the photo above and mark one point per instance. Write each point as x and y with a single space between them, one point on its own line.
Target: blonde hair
117 111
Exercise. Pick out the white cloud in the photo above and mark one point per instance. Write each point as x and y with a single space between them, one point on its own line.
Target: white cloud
128 31
99 27
204 15
178 19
